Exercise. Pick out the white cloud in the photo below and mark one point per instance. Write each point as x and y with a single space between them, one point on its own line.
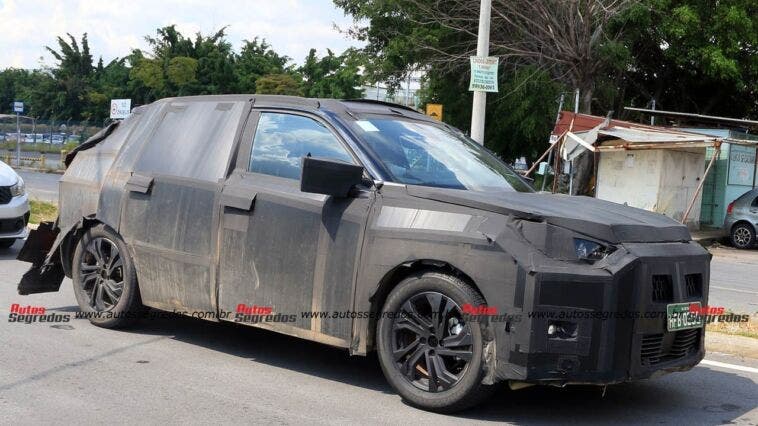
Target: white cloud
116 27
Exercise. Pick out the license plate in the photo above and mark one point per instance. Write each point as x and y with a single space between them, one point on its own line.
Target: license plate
680 317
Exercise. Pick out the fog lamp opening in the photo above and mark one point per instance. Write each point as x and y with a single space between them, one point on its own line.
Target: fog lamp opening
564 330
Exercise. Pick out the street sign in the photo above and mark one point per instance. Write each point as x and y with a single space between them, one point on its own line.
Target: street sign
18 107
483 74
434 111
121 108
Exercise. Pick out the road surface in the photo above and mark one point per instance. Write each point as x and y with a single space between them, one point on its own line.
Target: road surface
192 371
41 186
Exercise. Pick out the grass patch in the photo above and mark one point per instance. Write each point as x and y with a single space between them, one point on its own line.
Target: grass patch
42 211
746 329
41 148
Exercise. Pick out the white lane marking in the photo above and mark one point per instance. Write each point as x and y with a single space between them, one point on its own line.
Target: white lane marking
730 366
734 289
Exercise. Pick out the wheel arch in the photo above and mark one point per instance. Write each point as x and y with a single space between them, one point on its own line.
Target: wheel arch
396 275
72 238
742 222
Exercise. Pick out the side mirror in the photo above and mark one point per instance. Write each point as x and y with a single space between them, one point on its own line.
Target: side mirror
329 177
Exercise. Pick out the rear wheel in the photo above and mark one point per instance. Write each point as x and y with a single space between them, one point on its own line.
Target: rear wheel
428 352
743 236
104 278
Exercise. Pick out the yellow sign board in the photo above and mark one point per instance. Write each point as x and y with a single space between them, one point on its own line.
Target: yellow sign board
434 111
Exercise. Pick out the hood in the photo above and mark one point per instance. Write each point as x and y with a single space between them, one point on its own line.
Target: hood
8 177
603 220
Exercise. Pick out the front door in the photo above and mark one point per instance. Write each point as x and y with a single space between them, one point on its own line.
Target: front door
284 252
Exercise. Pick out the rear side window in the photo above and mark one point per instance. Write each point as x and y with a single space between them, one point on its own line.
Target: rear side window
282 140
755 202
193 140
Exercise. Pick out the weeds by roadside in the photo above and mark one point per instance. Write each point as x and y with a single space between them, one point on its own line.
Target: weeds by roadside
42 211
746 329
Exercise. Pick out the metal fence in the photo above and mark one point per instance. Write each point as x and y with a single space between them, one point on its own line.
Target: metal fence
41 141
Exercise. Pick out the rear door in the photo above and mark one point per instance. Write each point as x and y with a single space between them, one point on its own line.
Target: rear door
169 218
284 250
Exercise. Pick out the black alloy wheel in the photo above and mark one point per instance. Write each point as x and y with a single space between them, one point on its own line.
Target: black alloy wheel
102 274
430 354
431 344
105 279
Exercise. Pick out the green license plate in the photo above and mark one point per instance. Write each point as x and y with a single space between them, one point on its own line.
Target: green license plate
679 317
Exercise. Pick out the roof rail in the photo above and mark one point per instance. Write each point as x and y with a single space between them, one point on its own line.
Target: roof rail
377 102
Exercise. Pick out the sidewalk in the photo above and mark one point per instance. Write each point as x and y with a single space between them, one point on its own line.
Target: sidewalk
708 236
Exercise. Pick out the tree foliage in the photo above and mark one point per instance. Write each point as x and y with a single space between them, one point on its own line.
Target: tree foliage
77 88
688 55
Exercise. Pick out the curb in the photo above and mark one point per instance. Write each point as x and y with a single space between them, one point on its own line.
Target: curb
32 169
741 346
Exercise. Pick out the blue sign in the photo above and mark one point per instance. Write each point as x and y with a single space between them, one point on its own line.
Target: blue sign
741 165
18 107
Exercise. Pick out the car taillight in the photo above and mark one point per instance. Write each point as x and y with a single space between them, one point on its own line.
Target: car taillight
729 208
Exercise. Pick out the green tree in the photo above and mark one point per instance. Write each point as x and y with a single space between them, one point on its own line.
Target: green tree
332 76
72 75
689 55
278 84
256 59
182 71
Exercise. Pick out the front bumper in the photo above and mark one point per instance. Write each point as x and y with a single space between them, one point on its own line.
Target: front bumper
615 315
14 216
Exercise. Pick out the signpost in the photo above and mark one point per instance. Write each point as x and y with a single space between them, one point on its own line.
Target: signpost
120 108
18 108
434 111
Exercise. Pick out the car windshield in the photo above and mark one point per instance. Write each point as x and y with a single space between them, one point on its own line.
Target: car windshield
419 153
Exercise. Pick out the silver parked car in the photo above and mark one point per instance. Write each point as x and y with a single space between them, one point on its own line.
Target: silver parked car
742 219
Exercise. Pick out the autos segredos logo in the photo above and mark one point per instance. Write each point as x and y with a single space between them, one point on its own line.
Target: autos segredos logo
29 314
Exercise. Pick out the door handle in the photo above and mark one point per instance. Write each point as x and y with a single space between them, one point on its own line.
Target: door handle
239 198
139 183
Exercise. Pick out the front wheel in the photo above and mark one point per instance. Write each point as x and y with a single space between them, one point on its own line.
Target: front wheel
105 282
429 353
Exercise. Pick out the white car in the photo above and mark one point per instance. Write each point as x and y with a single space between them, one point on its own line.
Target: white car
14 207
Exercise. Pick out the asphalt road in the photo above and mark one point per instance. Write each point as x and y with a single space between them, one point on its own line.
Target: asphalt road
41 186
192 371
734 279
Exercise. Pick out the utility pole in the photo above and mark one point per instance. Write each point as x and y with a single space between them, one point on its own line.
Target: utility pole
482 50
550 156
18 139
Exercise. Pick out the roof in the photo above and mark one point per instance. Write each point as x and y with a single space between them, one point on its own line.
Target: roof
699 118
601 134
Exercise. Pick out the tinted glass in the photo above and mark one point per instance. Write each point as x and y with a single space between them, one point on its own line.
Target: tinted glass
420 153
755 202
282 140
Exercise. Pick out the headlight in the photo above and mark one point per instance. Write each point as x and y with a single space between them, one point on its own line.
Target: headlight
591 250
19 188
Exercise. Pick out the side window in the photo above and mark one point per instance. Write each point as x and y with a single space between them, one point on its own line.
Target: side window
282 140
755 202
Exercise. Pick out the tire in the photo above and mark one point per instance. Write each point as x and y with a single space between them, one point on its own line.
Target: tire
7 243
102 286
409 375
742 236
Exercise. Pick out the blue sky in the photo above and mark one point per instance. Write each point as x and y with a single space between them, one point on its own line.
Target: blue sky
115 27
